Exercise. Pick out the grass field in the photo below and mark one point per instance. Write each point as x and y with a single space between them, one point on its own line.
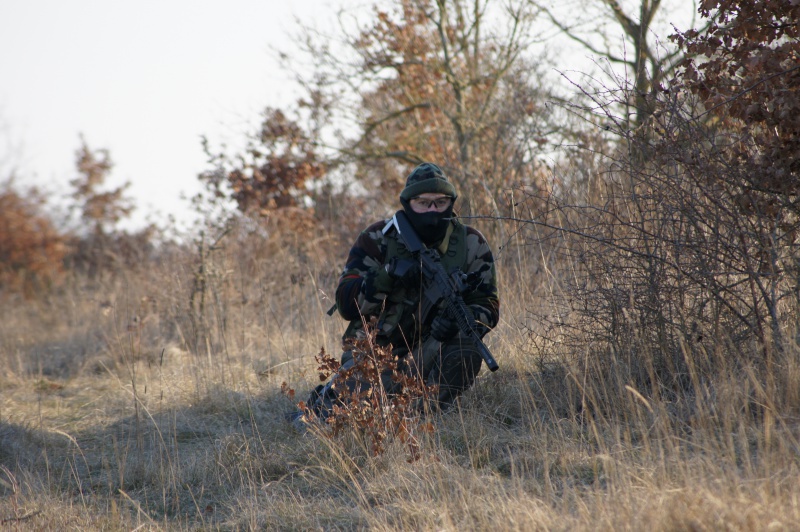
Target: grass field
124 405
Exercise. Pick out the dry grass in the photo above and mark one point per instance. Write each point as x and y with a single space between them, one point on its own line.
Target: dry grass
108 421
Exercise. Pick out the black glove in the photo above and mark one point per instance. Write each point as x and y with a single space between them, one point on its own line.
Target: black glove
404 270
443 327
467 282
377 281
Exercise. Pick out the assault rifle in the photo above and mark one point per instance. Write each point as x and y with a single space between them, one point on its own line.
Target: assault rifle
440 289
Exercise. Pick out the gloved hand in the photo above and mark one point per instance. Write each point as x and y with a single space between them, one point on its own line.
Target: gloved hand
444 327
405 270
471 283
377 281
466 283
402 268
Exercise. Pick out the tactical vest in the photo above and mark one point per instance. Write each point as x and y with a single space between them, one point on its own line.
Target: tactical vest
402 307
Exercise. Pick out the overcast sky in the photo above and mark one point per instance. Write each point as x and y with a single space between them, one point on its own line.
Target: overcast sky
143 79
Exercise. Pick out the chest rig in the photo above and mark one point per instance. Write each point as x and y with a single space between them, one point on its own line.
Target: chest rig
398 323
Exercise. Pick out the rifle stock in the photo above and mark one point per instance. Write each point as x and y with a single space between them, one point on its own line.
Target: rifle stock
440 289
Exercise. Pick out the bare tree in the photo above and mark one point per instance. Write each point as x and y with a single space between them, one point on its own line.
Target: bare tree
101 210
687 261
628 34
100 245
450 81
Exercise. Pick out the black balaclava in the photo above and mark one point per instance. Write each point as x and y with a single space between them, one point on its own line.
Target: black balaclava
430 226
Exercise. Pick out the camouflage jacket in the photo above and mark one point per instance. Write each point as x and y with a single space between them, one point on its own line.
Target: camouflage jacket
365 289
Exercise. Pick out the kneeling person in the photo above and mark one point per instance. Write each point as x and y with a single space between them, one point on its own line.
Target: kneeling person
382 281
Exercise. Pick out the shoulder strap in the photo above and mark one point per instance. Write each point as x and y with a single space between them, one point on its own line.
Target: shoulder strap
454 253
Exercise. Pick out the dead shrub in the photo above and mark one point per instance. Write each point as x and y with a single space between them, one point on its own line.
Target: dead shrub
367 407
31 248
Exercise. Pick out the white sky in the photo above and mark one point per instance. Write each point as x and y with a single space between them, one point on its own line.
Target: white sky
143 79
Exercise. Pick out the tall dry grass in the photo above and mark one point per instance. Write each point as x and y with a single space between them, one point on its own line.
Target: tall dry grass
122 407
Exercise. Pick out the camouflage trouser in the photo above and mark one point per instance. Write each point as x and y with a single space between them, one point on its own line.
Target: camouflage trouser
452 366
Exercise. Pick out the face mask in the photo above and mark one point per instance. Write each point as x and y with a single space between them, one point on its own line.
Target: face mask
430 226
